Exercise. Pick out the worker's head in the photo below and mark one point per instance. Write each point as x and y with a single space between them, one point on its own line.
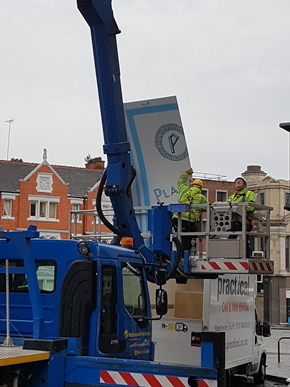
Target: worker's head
197 183
240 183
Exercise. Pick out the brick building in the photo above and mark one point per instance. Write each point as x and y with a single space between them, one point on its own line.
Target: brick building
44 194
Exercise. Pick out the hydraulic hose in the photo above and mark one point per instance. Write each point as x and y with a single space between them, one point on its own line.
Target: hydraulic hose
151 277
177 257
110 226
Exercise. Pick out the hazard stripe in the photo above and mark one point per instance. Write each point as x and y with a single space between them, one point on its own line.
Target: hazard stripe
261 266
230 266
128 378
245 265
152 380
106 378
175 381
148 380
214 265
239 266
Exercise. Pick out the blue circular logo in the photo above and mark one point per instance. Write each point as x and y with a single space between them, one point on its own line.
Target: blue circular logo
170 142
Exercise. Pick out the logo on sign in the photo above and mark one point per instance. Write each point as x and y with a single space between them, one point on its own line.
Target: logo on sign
170 142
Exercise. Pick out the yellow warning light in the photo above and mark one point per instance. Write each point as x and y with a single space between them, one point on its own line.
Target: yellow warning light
127 242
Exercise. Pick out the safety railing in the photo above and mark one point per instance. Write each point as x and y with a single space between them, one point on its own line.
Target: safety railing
86 224
281 338
217 238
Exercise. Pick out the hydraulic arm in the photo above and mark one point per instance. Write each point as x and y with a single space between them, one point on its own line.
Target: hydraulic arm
119 174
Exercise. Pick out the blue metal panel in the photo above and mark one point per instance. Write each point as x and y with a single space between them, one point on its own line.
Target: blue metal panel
88 370
207 355
160 220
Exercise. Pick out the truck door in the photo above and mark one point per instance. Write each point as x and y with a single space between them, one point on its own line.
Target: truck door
108 341
136 305
124 330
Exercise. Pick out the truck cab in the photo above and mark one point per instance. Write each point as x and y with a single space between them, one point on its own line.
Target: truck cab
94 291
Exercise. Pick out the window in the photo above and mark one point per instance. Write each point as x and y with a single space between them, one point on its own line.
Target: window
262 198
106 207
43 208
75 207
287 198
7 208
221 196
133 291
287 253
45 272
32 208
46 210
109 300
52 210
205 193
46 276
108 211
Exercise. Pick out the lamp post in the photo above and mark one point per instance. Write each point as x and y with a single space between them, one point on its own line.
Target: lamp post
9 125
286 126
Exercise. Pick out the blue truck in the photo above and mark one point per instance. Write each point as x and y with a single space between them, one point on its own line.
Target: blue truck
78 312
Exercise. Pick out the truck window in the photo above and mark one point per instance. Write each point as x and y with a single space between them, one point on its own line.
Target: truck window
18 281
109 300
133 289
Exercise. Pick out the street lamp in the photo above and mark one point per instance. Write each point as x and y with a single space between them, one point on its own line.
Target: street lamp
286 126
9 123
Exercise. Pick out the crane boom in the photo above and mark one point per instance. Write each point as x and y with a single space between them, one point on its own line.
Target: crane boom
119 172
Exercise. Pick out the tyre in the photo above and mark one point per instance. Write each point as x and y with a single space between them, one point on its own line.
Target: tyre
259 377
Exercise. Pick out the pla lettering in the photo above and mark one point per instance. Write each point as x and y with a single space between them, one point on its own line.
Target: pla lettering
161 194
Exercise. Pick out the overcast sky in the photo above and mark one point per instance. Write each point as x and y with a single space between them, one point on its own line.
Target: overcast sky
226 61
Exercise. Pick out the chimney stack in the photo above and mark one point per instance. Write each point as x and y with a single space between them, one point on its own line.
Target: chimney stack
96 163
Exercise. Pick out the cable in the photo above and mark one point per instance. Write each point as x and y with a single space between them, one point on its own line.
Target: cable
110 226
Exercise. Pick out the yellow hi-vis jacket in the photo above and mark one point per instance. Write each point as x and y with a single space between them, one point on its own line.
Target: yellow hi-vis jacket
190 195
244 196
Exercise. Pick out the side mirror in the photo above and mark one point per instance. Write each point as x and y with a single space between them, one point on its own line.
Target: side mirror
161 302
266 328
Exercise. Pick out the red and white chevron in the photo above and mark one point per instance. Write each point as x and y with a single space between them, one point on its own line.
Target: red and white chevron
237 266
148 380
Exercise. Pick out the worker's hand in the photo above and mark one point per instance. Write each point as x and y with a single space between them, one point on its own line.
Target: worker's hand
189 171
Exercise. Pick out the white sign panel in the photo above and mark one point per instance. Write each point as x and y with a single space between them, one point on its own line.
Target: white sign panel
232 310
158 150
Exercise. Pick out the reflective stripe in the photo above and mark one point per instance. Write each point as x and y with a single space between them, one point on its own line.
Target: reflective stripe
249 266
148 380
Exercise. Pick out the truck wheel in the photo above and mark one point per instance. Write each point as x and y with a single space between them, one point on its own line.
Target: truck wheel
259 377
